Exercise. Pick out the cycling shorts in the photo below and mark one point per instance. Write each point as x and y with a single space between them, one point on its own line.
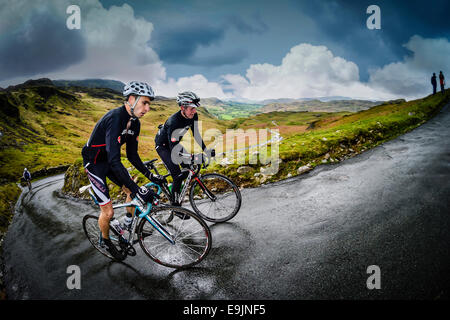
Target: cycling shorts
97 174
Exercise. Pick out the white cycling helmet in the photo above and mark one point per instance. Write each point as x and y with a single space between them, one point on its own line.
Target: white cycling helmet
139 89
189 99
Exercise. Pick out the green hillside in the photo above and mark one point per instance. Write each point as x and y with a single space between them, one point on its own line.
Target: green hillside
312 138
232 110
43 126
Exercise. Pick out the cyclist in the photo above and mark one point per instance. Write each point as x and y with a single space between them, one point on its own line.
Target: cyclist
170 134
27 176
101 155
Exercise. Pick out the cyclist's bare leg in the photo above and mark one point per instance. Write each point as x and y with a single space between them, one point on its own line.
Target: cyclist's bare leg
106 214
128 193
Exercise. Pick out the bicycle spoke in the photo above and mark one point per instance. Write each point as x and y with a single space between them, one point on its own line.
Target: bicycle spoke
227 199
189 247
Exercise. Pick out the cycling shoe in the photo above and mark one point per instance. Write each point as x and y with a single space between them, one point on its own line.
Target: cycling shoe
111 248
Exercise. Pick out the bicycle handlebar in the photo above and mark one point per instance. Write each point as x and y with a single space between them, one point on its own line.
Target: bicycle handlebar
193 163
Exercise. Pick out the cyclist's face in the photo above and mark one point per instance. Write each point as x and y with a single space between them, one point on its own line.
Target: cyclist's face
189 112
142 107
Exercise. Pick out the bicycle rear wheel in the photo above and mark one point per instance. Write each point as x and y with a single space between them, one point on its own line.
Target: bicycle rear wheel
93 233
191 238
216 198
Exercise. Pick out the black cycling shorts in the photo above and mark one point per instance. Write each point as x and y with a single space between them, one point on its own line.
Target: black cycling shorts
97 174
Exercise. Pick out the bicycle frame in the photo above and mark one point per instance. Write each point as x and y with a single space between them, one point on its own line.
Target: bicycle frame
140 213
193 174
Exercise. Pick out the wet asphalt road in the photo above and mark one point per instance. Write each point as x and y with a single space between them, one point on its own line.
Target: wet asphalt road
309 237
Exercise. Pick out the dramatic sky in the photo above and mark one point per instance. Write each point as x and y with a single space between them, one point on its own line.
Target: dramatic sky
245 50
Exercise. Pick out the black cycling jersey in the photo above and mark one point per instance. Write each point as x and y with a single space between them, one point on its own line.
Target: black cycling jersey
173 130
109 134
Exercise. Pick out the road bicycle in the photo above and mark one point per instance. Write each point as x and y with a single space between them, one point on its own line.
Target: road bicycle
213 196
170 241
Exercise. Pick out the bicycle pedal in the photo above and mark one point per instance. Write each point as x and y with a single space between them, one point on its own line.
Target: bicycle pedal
131 251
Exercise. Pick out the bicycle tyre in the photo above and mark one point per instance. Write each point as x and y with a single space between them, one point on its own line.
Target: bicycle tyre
224 189
192 238
92 232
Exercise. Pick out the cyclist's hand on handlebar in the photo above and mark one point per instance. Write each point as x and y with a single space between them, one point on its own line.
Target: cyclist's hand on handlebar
145 195
210 152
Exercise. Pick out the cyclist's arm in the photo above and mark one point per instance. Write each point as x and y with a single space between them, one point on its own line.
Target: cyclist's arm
113 152
132 153
196 132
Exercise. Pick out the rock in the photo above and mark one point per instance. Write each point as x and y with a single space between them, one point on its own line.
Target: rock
289 175
225 162
304 169
269 171
75 178
244 169
327 156
258 174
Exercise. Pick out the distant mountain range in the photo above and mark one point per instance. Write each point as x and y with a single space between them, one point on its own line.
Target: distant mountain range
91 83
211 101
222 109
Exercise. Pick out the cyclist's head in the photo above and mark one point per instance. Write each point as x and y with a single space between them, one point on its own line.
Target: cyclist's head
25 169
188 99
188 102
138 96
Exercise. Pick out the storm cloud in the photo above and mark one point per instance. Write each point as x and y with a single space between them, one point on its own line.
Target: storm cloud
41 44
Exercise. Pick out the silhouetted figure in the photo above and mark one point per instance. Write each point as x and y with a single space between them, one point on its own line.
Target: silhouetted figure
434 82
442 81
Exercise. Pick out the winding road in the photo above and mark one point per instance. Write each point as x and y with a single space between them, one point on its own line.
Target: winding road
308 237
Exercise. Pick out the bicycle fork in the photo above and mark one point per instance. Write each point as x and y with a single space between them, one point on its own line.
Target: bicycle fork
160 228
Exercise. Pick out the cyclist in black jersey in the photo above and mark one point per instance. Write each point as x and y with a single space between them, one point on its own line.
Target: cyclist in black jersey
170 134
101 154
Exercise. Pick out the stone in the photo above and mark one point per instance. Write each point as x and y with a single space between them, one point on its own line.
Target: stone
244 169
304 169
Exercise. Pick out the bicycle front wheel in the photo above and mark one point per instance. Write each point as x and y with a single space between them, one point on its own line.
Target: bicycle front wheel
215 197
190 238
93 233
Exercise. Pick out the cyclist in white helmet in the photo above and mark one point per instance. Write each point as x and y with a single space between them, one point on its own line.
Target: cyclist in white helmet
101 155
171 133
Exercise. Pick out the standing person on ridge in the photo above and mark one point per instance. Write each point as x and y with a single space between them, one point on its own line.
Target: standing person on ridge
434 82
442 81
